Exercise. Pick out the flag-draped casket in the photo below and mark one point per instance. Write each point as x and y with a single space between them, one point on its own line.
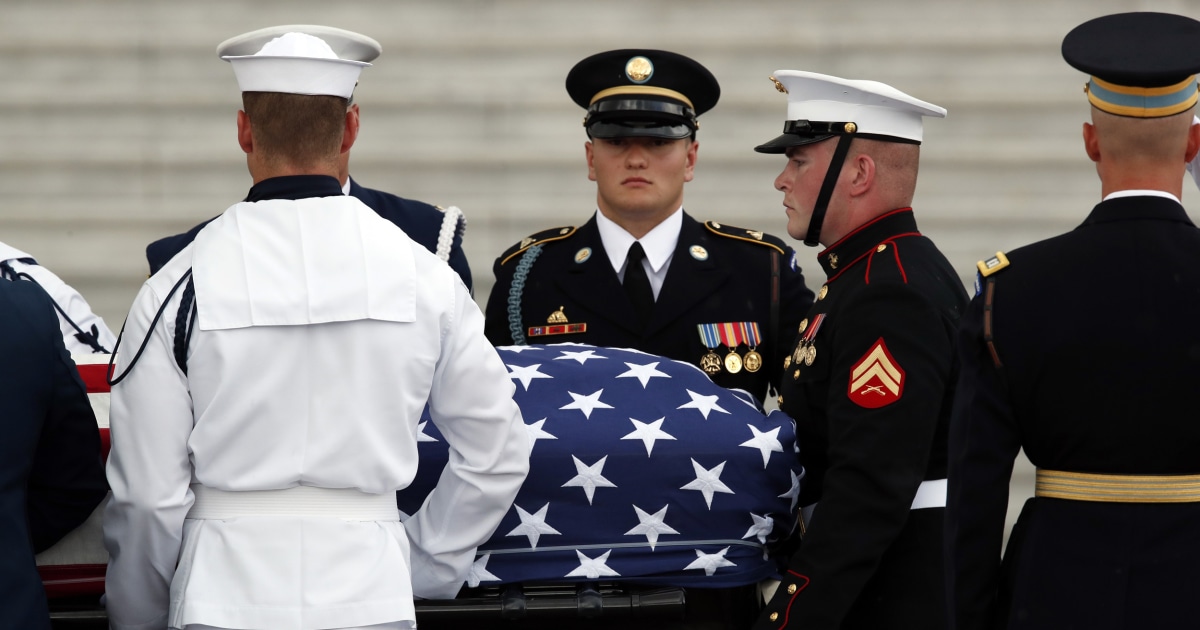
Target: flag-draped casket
642 470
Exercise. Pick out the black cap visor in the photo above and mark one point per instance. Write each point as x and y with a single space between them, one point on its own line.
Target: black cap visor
638 129
640 117
786 141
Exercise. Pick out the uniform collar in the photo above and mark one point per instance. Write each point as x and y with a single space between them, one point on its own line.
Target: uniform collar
1142 193
659 243
295 187
1138 208
852 247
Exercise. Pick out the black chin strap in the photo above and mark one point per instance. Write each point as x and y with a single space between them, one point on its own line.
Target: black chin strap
812 239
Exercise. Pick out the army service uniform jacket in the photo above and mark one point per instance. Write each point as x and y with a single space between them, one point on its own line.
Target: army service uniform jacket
718 274
51 476
870 384
1085 385
438 231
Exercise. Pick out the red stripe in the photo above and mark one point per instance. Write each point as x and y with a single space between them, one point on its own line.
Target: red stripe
72 580
787 613
95 377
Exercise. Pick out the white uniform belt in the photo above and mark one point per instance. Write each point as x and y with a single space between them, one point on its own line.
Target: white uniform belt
930 494
344 503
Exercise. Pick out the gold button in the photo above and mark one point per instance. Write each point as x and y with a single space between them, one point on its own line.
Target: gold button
822 293
716 225
779 400
881 248
796 374
791 589
774 616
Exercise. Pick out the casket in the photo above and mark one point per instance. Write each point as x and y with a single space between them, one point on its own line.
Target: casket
643 474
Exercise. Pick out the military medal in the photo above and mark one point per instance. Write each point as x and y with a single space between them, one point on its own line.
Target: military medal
733 363
730 334
710 363
806 348
753 360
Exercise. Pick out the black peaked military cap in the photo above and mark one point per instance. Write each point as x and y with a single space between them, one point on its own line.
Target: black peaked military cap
1141 64
640 92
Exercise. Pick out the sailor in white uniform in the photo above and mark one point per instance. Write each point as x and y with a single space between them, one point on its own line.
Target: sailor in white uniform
267 398
83 331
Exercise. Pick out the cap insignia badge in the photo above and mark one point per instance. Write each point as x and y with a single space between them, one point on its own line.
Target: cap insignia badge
639 69
778 85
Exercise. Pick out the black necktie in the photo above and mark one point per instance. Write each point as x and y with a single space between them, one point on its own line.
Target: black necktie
637 285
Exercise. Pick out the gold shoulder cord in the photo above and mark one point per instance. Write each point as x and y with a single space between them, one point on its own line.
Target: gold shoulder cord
989 296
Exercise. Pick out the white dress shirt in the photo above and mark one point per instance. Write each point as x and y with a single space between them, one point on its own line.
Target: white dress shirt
322 330
659 245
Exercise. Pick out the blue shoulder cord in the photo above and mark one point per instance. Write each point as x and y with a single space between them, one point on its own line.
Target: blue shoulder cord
90 338
515 289
149 332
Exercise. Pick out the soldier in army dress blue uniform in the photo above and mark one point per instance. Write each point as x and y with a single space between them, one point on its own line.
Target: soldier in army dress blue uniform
870 380
1084 350
642 273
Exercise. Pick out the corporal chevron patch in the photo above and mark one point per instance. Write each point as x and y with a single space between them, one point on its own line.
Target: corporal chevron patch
876 380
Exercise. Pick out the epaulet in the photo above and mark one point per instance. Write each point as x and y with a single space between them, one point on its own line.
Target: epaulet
750 236
545 236
992 265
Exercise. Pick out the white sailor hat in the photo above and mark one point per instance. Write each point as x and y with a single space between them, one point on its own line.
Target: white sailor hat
821 106
299 59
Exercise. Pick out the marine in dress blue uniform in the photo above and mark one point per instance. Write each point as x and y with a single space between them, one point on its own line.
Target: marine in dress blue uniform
870 379
1099 393
439 230
51 474
728 298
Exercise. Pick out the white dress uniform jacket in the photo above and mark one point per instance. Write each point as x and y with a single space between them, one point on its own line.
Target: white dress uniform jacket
322 330
67 298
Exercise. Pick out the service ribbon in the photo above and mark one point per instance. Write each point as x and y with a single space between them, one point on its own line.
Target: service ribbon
708 335
732 334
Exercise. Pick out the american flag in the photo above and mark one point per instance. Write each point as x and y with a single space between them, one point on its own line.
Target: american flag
642 470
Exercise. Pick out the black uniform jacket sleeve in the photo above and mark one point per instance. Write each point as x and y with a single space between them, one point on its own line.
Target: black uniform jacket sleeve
984 441
43 392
